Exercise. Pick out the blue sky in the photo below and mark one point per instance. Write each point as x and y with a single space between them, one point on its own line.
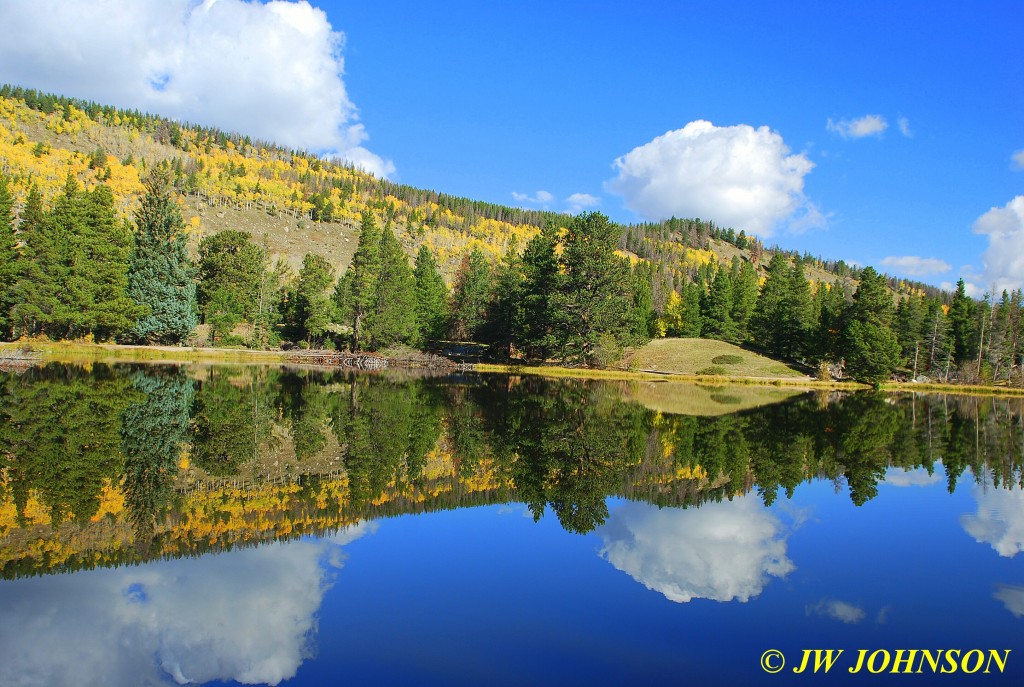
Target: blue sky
881 133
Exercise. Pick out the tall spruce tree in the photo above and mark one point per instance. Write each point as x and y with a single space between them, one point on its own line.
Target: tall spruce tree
767 321
869 346
393 319
161 277
431 298
716 308
541 278
356 295
34 293
961 321
8 255
313 308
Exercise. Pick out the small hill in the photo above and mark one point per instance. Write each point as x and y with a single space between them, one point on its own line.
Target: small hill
706 357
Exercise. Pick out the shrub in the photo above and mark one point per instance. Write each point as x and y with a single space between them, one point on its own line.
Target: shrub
727 359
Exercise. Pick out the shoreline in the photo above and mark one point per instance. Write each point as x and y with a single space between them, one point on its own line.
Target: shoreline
71 352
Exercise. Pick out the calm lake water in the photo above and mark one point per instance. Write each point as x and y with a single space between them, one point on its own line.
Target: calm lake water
195 525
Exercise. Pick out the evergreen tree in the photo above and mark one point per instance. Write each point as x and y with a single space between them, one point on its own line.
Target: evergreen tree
8 254
431 298
541 279
716 310
356 295
767 322
393 319
230 265
104 254
797 324
591 308
744 295
870 347
34 293
644 319
503 328
471 293
161 277
961 321
314 309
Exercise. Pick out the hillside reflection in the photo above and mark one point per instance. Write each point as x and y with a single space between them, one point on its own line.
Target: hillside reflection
111 465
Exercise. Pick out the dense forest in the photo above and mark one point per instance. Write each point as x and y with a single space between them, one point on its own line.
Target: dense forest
95 246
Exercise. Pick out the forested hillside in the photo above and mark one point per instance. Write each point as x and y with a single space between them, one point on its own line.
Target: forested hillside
118 225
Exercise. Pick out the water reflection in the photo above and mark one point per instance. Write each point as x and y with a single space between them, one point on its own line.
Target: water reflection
999 521
721 551
113 465
248 617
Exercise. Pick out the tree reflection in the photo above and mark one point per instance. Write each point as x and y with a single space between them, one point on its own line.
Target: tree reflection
268 453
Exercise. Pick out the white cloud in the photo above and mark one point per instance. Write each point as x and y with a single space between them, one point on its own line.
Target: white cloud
248 615
272 71
578 202
738 176
1004 257
837 610
868 125
539 198
904 125
999 521
720 551
918 477
1012 598
916 266
1018 159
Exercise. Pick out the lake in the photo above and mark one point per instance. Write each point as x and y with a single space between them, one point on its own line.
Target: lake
263 525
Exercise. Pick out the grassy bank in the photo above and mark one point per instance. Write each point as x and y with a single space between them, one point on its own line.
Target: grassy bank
80 352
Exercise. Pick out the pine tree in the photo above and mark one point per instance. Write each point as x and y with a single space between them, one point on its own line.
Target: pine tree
744 295
766 323
314 308
798 314
541 279
393 319
869 346
471 293
431 298
105 252
357 293
961 321
591 307
34 293
230 262
8 255
716 310
161 277
503 329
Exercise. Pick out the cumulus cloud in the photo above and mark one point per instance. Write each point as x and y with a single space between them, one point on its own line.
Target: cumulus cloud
837 610
1018 159
269 70
578 202
999 521
246 616
1004 257
916 266
918 477
904 125
720 551
1012 598
868 125
738 176
539 198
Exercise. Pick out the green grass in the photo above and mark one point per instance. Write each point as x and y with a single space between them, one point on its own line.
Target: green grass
79 352
698 356
678 398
